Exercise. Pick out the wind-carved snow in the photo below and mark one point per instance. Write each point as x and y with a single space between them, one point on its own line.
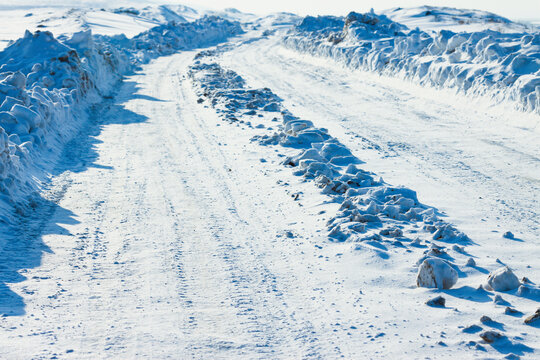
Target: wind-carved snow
503 66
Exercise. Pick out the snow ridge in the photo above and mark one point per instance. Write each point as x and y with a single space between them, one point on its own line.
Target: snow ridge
374 217
373 214
487 63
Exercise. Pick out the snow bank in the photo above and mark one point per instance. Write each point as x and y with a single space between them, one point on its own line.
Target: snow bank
46 86
172 37
489 63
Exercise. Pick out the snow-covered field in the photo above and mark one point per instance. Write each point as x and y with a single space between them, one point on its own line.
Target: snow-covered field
187 183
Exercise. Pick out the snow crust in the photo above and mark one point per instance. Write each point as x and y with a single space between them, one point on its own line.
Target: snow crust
502 66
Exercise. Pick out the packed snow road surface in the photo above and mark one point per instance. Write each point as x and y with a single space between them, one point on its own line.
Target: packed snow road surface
168 231
475 162
160 245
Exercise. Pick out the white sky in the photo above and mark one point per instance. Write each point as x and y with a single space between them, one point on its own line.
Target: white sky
515 9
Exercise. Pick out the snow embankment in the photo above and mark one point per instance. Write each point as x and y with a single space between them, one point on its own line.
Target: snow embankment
502 66
47 85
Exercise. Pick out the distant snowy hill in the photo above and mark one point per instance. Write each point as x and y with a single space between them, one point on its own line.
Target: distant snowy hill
458 20
111 21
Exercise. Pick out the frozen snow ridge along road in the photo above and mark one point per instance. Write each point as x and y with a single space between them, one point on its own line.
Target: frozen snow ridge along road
381 221
503 66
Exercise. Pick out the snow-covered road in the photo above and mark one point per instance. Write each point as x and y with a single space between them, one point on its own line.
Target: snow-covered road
478 164
163 243
170 235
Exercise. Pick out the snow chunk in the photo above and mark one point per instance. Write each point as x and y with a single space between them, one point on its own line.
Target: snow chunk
502 279
436 273
491 336
529 292
508 235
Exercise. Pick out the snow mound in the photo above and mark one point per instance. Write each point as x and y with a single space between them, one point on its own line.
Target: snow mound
436 273
502 279
529 292
485 63
30 49
219 83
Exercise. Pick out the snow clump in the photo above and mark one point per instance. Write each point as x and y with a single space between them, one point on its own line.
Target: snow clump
502 279
436 273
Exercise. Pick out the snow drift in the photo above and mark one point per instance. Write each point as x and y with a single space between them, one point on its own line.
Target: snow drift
503 66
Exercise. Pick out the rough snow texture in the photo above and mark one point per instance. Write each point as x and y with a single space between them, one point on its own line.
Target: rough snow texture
46 85
373 215
436 273
503 66
171 37
502 279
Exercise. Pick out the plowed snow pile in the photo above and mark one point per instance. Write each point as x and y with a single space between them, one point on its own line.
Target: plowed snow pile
503 66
